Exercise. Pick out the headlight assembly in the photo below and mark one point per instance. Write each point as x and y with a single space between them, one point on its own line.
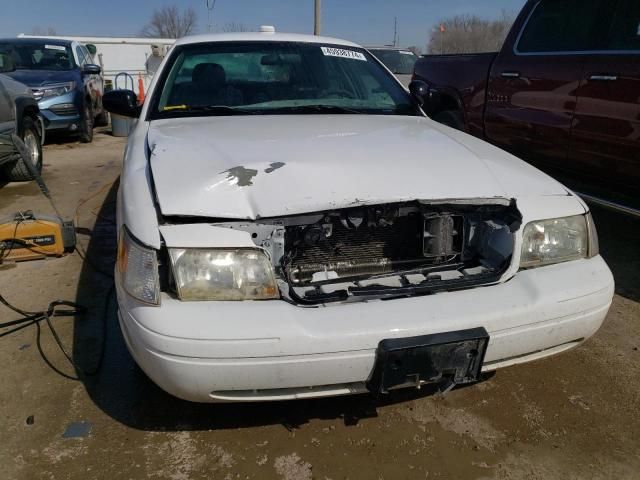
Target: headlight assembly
223 274
558 240
137 268
56 89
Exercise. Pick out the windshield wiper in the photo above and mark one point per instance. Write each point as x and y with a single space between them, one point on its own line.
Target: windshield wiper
315 109
213 109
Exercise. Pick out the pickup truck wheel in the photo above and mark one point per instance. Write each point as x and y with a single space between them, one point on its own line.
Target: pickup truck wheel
86 126
450 118
17 171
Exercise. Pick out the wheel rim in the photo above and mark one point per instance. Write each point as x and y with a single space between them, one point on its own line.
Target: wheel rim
33 145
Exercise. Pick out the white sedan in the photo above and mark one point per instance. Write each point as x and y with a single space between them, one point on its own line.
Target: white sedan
292 225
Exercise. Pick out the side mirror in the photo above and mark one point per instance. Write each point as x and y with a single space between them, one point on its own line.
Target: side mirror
419 90
91 69
428 98
121 102
6 63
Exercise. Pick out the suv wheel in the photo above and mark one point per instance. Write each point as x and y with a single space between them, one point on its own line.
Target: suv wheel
18 171
86 125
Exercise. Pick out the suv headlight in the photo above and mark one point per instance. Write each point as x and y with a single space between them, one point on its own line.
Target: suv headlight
137 267
223 274
558 240
56 89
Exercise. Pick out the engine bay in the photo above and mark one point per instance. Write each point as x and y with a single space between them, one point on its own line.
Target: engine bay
387 250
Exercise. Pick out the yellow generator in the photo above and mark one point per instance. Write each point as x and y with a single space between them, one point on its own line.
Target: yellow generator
27 236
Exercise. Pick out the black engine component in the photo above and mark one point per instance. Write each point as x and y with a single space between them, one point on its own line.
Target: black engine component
353 245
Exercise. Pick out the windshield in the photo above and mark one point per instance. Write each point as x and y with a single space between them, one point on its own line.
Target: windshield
39 56
227 78
400 62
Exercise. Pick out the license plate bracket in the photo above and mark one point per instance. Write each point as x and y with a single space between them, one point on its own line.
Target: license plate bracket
452 357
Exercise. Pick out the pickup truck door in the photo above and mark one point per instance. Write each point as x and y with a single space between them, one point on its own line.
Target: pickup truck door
533 83
605 138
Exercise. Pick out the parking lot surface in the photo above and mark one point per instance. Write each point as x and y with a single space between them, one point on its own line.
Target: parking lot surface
573 416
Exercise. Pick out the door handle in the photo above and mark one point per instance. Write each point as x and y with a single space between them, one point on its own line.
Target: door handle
510 74
603 78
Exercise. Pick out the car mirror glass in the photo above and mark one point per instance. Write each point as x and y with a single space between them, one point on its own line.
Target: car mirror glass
419 91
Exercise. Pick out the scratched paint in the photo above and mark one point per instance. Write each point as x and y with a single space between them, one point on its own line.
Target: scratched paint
241 176
274 166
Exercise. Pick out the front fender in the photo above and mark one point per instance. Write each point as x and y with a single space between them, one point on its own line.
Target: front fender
28 106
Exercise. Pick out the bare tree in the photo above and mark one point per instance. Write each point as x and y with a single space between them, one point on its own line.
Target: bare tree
43 31
169 22
469 34
414 49
235 27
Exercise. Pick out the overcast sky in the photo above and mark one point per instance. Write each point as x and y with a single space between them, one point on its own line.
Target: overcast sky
364 21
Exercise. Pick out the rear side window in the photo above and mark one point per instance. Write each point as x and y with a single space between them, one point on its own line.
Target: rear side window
625 29
565 26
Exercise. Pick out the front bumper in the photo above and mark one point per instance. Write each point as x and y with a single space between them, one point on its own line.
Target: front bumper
70 123
61 113
272 350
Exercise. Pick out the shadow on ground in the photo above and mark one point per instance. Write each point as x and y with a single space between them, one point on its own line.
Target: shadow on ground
620 246
70 139
123 391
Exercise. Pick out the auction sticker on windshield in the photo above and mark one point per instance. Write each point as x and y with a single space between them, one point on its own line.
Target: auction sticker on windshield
55 47
340 52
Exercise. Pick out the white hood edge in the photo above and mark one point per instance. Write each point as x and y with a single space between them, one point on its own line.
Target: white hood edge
251 167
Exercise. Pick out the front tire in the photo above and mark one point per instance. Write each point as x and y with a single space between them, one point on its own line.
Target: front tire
86 125
18 171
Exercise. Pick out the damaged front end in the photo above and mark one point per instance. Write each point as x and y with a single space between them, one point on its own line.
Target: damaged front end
386 251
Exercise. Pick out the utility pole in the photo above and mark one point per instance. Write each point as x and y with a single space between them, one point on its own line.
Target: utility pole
395 31
210 5
317 17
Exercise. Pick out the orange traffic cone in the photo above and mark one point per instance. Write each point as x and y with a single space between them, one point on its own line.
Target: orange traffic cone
140 89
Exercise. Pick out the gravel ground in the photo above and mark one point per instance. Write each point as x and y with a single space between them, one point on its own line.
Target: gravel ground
573 416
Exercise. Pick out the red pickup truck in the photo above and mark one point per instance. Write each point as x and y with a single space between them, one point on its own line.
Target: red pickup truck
563 93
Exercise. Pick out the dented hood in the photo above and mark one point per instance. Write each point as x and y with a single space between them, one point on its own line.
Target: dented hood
248 167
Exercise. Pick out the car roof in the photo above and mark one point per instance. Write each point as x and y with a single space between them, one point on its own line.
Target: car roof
38 40
264 37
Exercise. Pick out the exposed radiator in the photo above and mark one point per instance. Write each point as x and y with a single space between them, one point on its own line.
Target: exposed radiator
365 250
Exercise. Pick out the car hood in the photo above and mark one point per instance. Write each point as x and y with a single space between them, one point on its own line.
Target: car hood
37 78
248 167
